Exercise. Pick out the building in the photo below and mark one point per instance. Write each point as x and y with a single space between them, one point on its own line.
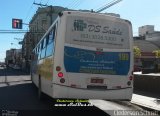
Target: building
13 57
154 38
39 24
148 59
26 52
9 57
148 33
42 20
113 14
144 30
145 46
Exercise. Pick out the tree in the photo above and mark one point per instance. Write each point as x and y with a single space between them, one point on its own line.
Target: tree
157 53
137 51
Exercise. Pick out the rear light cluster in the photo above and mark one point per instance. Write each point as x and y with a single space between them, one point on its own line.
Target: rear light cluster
130 79
58 68
60 74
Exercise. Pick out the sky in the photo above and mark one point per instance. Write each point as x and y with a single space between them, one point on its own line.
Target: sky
139 12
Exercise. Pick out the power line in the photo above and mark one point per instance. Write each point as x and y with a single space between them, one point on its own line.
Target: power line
70 5
29 11
108 5
18 31
77 4
74 4
47 1
65 3
105 5
39 4
40 1
100 5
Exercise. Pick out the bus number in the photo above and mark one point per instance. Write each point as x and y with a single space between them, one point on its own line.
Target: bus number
123 57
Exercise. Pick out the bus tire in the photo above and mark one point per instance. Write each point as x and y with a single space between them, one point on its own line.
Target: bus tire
40 94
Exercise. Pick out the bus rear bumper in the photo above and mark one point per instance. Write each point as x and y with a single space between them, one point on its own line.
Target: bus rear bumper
76 93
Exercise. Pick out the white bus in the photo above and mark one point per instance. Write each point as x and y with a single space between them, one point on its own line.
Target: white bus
85 55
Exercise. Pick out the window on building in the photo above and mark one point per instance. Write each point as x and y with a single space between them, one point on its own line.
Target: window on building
44 24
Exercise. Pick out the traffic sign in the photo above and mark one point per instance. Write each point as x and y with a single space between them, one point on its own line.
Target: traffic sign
17 23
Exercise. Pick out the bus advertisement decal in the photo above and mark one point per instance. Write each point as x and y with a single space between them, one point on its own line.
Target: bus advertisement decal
86 61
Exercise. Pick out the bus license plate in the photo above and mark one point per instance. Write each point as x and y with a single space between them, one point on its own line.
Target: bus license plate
100 81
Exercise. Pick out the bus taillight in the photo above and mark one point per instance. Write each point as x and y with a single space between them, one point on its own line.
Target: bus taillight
58 68
129 83
60 74
62 80
131 78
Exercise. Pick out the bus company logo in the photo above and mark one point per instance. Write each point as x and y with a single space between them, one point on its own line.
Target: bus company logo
79 25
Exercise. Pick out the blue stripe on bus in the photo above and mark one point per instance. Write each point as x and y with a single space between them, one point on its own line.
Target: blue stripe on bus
86 61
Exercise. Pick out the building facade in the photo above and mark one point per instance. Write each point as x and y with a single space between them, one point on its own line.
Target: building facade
14 57
148 33
144 30
39 24
148 41
154 38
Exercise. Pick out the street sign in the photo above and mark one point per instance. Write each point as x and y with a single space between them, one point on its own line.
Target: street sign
17 23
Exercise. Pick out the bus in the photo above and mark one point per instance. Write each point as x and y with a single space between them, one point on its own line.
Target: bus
85 55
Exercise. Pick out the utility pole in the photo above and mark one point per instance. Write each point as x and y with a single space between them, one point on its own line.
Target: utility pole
39 4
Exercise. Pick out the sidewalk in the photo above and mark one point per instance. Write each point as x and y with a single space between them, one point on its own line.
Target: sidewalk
14 80
140 73
146 99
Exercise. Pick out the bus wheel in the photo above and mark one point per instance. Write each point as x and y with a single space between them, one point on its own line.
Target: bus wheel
40 94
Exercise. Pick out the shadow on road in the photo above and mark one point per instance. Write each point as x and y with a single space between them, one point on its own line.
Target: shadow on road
24 100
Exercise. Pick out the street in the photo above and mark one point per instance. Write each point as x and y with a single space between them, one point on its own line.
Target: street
23 98
18 96
54 53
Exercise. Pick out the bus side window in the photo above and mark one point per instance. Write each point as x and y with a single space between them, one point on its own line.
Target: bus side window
54 29
50 45
42 44
39 51
43 48
47 39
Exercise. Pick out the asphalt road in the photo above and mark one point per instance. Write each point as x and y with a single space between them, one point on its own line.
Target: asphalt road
22 100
